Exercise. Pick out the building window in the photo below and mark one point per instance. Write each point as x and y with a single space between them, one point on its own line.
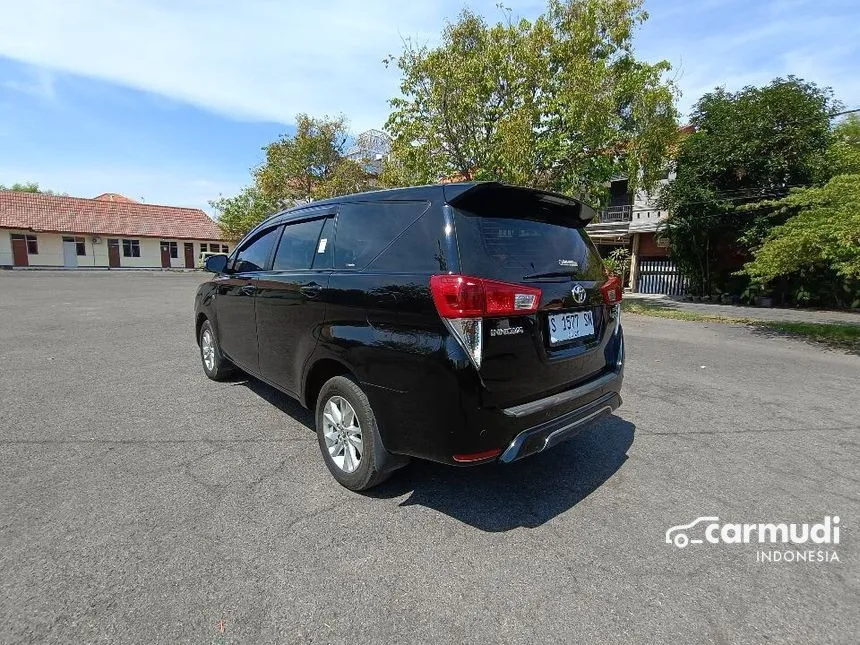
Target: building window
32 242
131 248
174 249
203 247
81 245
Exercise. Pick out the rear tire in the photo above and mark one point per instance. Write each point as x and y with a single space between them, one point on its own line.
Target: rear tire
215 365
349 436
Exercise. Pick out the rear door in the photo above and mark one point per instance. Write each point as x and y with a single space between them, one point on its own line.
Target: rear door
290 302
515 236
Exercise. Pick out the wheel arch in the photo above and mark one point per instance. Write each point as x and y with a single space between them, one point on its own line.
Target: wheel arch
321 371
199 319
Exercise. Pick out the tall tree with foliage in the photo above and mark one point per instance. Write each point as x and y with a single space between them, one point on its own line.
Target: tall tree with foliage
748 147
560 103
815 253
299 168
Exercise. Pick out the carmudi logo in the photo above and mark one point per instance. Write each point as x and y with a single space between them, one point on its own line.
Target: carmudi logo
776 536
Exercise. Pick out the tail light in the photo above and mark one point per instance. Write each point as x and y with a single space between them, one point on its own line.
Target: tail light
463 301
612 291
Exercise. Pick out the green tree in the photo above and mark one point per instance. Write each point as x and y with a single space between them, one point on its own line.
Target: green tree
242 212
27 187
311 164
306 166
815 254
818 245
560 103
843 156
748 147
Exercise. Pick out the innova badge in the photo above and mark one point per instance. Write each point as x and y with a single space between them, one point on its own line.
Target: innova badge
578 294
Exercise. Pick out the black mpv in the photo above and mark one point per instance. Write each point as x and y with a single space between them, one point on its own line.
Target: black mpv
462 323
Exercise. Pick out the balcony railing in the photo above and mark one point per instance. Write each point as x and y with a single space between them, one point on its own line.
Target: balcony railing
616 214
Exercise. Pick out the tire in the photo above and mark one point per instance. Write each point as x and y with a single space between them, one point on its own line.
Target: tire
374 464
215 366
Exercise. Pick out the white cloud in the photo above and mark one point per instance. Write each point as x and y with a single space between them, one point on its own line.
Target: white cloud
257 60
736 43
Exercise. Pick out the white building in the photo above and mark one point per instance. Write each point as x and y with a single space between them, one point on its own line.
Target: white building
631 221
110 231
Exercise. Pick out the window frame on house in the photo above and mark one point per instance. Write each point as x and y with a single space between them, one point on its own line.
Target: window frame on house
174 249
29 240
80 244
32 244
130 248
204 247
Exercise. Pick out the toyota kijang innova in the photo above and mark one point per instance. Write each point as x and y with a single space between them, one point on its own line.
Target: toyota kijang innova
463 323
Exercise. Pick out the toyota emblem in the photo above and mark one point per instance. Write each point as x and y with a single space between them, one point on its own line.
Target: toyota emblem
578 294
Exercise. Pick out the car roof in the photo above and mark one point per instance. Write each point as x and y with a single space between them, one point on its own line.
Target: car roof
429 192
448 193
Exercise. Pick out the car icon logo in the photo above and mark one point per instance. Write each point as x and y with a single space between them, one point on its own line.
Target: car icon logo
678 536
578 294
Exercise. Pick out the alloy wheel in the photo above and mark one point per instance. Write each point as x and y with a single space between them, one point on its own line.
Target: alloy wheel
342 432
207 348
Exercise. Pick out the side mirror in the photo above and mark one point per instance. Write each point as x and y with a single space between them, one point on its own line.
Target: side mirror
216 263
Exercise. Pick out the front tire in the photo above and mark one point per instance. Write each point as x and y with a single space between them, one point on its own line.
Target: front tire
215 365
349 436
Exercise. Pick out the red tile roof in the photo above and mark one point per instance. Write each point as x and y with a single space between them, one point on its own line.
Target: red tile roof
115 197
103 216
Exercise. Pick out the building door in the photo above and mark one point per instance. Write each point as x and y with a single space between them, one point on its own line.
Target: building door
70 253
189 255
19 251
165 255
113 254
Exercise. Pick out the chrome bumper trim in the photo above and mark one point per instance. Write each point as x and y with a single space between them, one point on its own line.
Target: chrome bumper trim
525 409
513 450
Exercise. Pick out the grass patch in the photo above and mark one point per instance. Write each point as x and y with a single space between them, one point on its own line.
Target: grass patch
838 335
662 311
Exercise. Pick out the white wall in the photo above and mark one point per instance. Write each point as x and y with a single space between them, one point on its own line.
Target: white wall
51 251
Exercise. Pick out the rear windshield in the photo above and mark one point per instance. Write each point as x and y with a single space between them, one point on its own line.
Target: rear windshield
516 246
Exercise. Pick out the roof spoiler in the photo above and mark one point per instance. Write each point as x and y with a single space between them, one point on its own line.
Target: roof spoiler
472 196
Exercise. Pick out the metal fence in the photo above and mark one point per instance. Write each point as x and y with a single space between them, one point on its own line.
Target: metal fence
616 214
660 275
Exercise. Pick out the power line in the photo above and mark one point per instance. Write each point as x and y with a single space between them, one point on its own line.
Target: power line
833 116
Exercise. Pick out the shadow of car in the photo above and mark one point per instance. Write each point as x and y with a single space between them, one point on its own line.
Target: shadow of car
497 497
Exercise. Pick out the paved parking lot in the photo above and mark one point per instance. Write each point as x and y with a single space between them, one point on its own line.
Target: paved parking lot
141 502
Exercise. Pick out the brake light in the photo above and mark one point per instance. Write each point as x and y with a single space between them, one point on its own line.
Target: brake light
463 301
612 291
462 296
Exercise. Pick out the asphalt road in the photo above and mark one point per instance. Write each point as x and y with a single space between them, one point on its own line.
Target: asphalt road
142 503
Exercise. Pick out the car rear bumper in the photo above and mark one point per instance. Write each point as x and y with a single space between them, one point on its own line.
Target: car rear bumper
547 434
440 414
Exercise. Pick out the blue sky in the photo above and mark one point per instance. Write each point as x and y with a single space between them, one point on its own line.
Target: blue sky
171 101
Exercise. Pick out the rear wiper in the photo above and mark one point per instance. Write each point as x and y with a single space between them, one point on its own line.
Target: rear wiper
551 274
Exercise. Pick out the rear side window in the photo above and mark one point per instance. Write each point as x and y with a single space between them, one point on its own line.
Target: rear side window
366 229
298 246
518 245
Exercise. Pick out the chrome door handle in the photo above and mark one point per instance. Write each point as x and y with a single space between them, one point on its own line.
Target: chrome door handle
311 290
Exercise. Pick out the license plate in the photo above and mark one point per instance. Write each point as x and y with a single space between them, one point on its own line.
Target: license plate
569 326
